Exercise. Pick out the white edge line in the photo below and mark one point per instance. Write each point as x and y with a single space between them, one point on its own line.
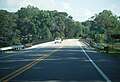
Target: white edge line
98 69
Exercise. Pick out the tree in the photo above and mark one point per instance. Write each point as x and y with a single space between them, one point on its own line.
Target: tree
103 25
41 25
8 32
29 22
79 28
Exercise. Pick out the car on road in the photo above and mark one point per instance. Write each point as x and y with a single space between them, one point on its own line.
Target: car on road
58 40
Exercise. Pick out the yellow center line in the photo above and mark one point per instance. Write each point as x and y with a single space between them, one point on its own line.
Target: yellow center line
28 66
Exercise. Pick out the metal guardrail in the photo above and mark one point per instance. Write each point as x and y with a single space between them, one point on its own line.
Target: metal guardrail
98 47
105 48
18 47
15 47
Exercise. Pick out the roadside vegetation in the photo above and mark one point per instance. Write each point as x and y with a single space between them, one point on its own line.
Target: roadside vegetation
31 25
103 29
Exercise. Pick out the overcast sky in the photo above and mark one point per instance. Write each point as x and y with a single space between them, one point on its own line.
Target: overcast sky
80 10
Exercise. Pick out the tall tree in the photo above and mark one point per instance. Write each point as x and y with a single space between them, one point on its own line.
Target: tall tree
103 24
8 31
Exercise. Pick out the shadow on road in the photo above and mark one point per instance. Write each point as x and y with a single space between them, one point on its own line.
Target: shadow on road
69 64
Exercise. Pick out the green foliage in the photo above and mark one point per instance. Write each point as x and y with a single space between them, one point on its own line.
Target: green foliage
7 28
29 24
56 34
79 29
102 26
99 38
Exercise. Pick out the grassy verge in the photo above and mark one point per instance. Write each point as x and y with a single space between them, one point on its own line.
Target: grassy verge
115 52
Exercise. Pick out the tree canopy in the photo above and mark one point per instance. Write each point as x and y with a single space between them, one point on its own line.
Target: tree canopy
102 25
29 24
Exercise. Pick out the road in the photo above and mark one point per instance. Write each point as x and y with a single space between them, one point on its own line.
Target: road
71 61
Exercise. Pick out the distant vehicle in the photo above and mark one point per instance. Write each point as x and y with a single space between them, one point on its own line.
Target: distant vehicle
58 40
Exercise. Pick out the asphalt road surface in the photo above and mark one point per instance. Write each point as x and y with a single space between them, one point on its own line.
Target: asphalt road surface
70 61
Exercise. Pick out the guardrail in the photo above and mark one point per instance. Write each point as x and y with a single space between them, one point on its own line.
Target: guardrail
105 48
15 47
98 47
19 47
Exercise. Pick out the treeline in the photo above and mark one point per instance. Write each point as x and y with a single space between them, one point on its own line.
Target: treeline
29 24
101 26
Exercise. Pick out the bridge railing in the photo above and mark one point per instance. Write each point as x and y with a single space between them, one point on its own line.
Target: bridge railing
15 47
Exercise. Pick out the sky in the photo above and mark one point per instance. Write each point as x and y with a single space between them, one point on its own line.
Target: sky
80 10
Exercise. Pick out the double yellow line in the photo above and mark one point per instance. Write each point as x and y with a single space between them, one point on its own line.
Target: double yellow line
26 67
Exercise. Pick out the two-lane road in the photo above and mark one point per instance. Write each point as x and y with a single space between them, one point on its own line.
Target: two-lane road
70 61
